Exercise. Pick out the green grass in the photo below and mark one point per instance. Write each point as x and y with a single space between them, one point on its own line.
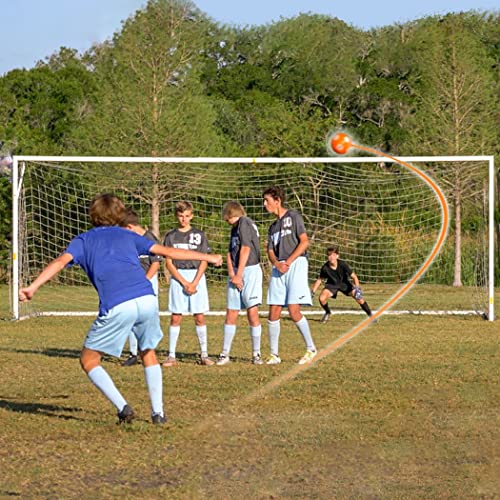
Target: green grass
407 409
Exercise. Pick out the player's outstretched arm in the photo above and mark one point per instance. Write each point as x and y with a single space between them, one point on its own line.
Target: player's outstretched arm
182 254
47 274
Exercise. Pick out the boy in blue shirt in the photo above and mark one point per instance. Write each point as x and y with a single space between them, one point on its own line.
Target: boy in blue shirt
109 255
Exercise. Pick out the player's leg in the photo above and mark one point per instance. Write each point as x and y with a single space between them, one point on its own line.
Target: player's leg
173 336
154 384
230 325
357 295
303 326
324 296
132 346
273 331
201 333
255 333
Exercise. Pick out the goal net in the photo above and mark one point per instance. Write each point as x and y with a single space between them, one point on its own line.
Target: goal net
383 217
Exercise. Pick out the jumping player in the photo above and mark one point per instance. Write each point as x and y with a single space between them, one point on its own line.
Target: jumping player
188 287
286 248
338 276
108 254
244 287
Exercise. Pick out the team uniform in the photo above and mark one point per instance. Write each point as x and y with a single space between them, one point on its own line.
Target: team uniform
126 297
337 280
245 233
179 301
291 287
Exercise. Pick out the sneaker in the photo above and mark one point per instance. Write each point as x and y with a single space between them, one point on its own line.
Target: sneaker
130 361
158 418
223 360
308 357
257 360
170 362
126 415
273 360
325 318
206 361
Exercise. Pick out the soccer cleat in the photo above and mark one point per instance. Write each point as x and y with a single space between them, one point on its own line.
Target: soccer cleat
257 360
308 357
274 359
126 415
130 361
206 361
158 418
325 318
223 360
170 362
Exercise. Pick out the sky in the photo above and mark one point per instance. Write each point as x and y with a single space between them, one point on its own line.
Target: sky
32 30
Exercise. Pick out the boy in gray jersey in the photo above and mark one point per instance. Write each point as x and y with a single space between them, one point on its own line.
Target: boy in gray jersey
151 265
244 287
288 286
188 287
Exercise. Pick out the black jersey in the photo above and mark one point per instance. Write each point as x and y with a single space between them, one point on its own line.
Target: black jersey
283 236
244 233
339 277
194 239
147 260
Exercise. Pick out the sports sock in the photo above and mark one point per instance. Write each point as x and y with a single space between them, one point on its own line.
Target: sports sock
366 308
256 334
173 336
201 332
132 344
326 307
154 382
303 327
229 333
100 378
273 330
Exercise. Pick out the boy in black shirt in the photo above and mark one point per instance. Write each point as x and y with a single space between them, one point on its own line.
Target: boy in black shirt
338 276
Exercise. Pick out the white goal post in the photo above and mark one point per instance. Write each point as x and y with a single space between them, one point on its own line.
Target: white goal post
382 216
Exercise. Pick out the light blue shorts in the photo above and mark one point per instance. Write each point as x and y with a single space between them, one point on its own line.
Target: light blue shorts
291 287
180 302
251 293
109 332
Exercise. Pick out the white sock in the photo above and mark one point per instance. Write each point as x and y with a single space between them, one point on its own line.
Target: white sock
100 378
201 332
173 336
273 330
303 327
229 333
154 382
256 334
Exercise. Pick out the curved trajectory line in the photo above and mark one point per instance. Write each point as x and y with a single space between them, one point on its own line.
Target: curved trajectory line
400 293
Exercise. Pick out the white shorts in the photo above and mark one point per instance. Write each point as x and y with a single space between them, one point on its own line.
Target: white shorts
180 302
291 287
251 293
109 332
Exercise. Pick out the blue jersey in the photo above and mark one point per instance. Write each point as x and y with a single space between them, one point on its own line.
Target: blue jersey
110 257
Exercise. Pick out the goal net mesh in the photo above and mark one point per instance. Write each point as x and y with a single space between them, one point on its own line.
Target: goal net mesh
384 218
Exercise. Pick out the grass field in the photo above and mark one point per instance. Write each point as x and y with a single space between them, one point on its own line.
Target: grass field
408 409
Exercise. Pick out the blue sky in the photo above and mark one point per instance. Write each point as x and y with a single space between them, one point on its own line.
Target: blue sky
34 29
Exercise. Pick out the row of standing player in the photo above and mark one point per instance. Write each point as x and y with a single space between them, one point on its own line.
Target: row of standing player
127 302
287 245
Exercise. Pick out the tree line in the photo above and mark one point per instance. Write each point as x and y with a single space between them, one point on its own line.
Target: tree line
173 82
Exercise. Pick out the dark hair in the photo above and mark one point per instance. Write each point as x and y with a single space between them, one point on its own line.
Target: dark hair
275 192
131 218
182 206
107 210
332 249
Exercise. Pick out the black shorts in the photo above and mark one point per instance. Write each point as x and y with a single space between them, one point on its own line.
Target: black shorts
346 290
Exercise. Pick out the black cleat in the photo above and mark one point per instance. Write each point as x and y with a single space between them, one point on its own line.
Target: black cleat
156 418
126 415
130 361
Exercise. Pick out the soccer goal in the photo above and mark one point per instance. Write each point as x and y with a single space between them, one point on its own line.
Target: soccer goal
382 216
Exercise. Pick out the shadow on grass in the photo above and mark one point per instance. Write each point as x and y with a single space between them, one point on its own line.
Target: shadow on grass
50 352
48 410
